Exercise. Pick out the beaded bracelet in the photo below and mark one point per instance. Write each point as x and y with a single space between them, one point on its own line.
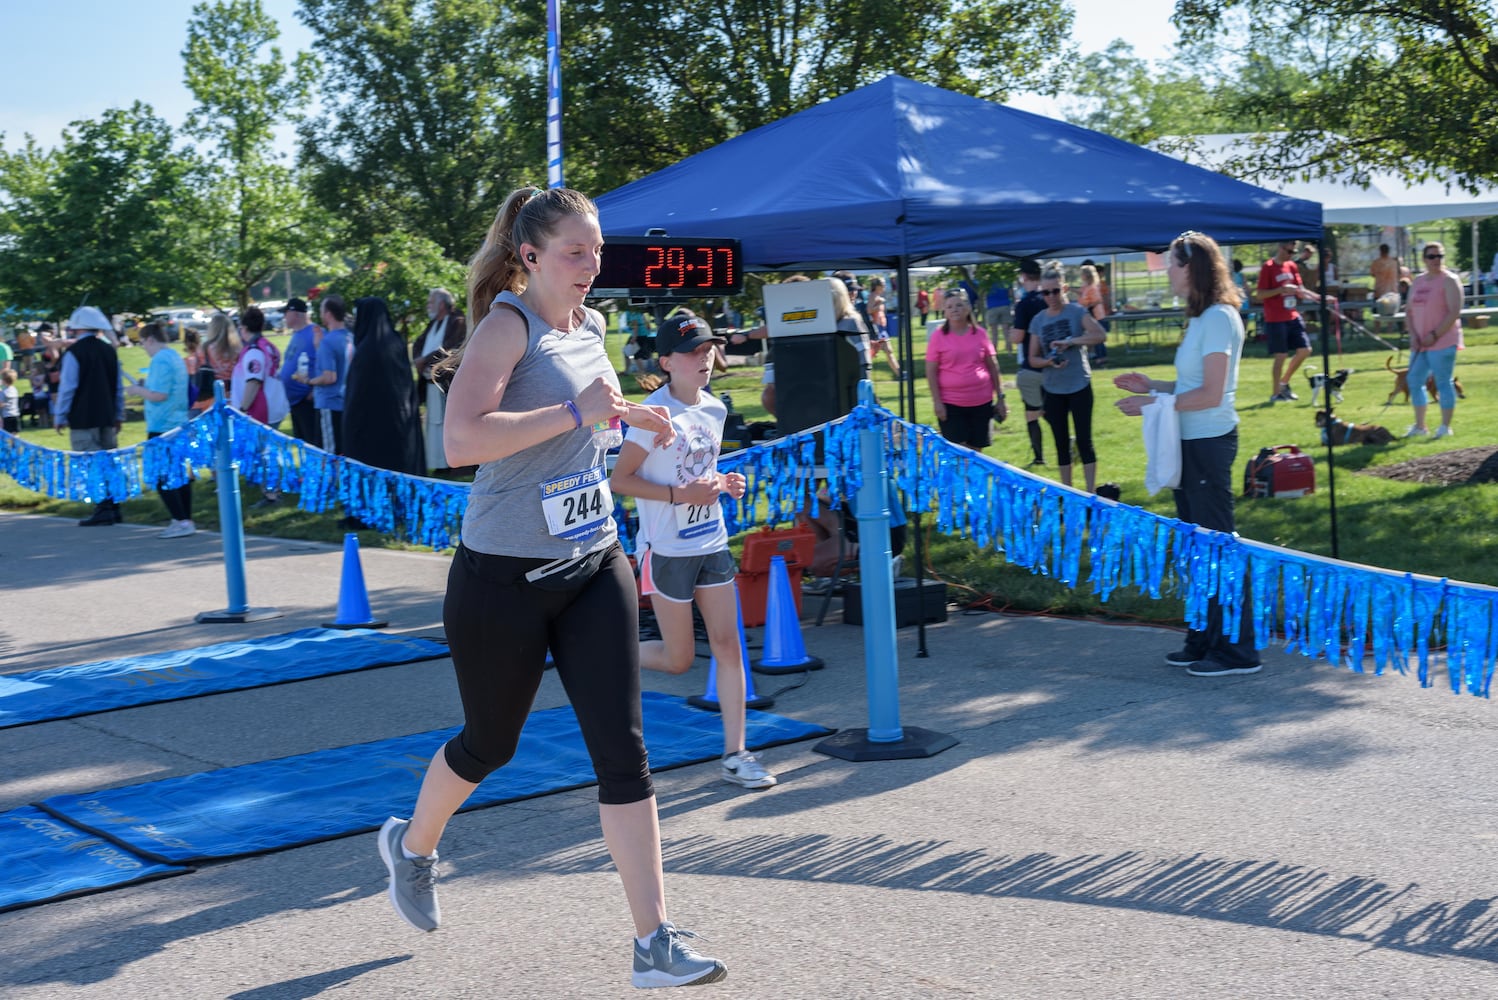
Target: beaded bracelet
572 408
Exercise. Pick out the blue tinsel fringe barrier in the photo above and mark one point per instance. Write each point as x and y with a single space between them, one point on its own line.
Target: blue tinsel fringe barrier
1345 613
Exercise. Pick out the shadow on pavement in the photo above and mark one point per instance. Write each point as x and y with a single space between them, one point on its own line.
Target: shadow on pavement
311 986
1269 894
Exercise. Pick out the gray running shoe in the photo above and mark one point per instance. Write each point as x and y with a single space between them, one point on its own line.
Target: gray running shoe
413 881
671 961
743 768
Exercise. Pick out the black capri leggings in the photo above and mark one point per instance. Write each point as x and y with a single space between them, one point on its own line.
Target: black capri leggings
1079 405
179 499
499 627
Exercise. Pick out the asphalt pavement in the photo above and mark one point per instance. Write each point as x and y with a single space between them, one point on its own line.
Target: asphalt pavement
1106 826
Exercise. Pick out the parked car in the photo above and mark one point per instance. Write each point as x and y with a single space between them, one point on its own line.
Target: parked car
177 320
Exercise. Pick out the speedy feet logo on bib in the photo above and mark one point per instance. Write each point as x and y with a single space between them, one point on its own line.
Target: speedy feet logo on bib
577 504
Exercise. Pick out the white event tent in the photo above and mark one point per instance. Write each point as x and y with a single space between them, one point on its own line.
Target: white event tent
1388 200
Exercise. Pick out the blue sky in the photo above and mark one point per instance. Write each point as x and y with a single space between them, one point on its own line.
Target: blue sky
96 54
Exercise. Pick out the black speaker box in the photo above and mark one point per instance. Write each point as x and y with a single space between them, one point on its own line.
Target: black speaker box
816 380
933 593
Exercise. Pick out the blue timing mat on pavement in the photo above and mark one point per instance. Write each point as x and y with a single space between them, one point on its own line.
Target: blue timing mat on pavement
46 859
64 692
312 797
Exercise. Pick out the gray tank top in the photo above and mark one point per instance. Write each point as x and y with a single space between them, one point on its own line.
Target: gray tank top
504 515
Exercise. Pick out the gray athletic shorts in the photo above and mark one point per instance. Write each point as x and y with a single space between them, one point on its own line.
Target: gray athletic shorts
676 578
1028 381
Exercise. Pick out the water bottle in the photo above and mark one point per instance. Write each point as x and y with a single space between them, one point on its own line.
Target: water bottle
727 401
608 434
301 365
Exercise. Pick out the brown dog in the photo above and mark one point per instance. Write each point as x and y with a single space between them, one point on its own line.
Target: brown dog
1402 383
1344 433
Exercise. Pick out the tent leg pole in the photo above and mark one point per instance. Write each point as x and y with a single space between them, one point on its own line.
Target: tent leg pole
1326 366
908 345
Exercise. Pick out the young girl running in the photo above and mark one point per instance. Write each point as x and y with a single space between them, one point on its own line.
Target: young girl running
684 543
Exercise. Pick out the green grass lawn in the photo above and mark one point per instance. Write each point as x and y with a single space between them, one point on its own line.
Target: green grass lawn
1443 531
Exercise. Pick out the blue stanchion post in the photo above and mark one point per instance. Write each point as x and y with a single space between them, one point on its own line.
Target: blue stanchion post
877 576
231 525
885 739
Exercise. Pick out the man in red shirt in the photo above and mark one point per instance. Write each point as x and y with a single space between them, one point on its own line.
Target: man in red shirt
1280 291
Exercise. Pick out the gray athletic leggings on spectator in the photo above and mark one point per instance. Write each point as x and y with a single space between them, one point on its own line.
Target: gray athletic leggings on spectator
499 627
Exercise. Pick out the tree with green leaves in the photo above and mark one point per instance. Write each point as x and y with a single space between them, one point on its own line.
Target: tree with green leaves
253 218
1410 87
417 133
402 269
649 82
435 110
1139 101
97 219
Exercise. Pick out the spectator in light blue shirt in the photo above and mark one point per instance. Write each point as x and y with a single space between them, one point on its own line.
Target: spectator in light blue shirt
301 356
334 352
165 393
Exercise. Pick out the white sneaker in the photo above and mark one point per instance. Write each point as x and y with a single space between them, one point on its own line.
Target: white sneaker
1416 431
1445 431
180 529
742 768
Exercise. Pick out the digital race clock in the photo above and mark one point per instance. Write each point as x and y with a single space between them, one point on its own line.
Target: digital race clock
661 267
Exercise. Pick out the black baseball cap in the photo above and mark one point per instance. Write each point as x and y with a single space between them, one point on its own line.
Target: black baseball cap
296 305
684 333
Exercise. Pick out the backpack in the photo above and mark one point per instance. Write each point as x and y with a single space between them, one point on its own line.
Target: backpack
276 404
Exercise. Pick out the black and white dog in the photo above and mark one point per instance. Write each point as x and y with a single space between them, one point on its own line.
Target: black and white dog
1328 383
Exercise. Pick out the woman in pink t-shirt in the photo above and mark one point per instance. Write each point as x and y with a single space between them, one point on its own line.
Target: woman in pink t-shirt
1433 317
967 388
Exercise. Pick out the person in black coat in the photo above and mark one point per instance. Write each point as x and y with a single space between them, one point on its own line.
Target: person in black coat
381 426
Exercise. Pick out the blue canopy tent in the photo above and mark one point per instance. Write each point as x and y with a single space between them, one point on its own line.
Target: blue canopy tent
900 173
904 172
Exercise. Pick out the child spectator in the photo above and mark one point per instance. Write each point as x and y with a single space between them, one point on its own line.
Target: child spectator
10 402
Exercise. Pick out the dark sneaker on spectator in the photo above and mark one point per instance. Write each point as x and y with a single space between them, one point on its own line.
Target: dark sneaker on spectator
1183 658
104 515
1209 667
671 961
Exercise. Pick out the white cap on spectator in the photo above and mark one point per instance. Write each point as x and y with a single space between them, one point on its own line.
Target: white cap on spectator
89 318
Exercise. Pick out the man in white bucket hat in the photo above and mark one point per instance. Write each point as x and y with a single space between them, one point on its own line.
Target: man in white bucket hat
90 400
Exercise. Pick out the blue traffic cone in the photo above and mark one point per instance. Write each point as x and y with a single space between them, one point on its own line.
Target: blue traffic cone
785 652
353 600
709 698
